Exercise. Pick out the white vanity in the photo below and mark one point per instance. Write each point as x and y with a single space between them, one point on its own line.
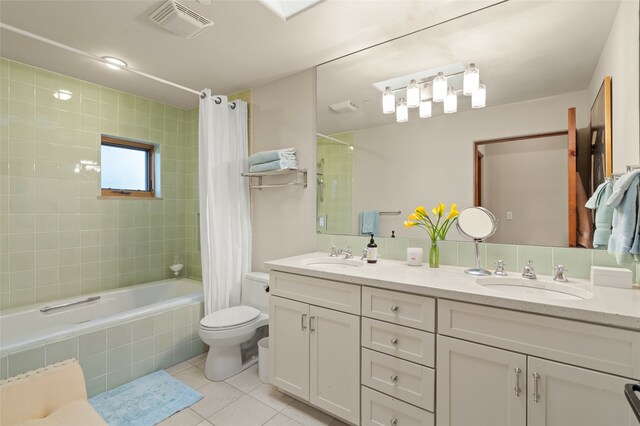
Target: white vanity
390 344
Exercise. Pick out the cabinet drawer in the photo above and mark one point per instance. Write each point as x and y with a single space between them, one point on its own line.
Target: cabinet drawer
405 380
328 294
379 409
399 308
598 347
407 343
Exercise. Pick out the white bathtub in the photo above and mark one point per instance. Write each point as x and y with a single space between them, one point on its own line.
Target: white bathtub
27 327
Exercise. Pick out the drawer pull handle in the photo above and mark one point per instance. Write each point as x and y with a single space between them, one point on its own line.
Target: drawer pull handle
311 318
303 327
394 308
394 377
517 389
536 395
394 341
393 421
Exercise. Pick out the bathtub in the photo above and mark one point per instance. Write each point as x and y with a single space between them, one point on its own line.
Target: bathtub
116 337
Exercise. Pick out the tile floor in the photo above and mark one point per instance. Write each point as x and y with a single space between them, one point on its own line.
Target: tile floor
242 400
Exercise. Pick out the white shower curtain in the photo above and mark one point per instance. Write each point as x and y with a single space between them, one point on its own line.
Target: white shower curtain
225 223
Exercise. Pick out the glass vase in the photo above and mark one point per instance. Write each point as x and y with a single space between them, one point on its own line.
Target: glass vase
434 255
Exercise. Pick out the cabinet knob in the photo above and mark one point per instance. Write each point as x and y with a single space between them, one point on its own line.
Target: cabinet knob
394 377
393 421
394 308
394 341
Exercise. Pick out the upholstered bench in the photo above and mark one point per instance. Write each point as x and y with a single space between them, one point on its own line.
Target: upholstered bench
52 395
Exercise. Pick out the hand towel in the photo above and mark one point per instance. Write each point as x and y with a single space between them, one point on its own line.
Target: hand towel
604 214
620 187
369 222
269 156
273 165
624 234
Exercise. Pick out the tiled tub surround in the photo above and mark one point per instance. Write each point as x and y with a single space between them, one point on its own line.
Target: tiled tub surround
57 239
115 348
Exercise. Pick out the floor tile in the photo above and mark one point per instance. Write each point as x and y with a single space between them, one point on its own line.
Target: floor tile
281 420
271 396
192 377
245 411
246 380
185 417
201 364
306 415
197 359
216 396
204 423
178 368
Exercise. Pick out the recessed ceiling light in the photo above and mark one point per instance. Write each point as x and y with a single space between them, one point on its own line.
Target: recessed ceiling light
114 63
62 94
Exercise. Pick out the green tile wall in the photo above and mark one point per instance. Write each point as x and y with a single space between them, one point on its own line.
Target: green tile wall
459 253
337 203
57 238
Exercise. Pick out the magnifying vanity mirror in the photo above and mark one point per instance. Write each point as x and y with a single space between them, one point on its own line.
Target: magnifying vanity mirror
535 68
478 224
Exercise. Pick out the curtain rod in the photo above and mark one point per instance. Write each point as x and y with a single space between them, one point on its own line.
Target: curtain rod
92 56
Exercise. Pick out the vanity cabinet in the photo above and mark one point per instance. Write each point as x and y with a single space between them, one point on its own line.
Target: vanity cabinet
314 351
513 385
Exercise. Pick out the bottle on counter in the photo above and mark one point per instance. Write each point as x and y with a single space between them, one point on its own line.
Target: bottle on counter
372 251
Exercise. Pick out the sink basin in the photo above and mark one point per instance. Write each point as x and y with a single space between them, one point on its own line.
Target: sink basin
524 287
334 262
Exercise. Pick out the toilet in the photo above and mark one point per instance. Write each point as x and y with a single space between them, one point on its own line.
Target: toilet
232 333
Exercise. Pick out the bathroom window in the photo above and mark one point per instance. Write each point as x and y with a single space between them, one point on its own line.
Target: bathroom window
127 168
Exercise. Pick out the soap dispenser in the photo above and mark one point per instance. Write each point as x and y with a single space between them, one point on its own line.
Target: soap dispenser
372 251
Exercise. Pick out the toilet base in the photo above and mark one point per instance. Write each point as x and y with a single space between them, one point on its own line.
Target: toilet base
224 362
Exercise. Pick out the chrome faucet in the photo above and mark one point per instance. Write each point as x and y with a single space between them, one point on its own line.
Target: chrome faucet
348 254
334 252
500 269
560 274
528 272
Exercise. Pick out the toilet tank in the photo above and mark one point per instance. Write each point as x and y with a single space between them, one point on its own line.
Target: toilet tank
254 293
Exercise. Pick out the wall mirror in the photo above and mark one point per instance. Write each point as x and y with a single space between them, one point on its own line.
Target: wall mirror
536 59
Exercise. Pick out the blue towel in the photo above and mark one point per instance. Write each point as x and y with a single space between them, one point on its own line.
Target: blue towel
269 156
624 241
273 165
604 214
620 187
369 222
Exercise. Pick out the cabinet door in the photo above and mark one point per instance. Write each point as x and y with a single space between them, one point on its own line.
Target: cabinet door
289 346
335 362
567 395
479 385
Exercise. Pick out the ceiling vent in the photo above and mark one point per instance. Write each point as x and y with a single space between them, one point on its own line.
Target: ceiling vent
344 106
179 19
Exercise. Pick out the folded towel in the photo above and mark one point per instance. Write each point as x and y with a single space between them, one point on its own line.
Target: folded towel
274 165
369 222
604 214
620 187
624 235
269 156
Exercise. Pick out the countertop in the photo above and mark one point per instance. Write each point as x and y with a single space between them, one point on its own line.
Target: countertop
609 306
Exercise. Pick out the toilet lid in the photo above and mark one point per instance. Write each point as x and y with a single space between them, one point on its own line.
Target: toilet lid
230 317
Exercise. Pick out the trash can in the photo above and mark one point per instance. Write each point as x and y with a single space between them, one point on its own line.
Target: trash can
263 359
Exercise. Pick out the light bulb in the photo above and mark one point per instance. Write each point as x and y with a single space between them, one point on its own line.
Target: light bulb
114 63
425 109
402 112
62 94
413 94
388 101
439 87
471 80
479 97
451 102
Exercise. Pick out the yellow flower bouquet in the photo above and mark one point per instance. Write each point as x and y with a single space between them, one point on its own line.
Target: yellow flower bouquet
436 228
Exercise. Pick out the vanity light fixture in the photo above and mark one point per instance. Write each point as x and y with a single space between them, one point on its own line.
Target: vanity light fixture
388 101
413 95
402 112
62 94
439 87
471 80
114 63
451 101
425 109
479 97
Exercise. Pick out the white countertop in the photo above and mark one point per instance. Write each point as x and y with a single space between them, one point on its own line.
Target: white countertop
609 306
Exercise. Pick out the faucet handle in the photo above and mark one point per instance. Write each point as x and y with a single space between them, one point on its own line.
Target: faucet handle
500 268
334 252
559 273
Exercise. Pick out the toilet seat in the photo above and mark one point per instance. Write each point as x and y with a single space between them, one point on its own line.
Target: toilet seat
229 318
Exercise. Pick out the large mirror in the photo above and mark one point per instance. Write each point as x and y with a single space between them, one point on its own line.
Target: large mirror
516 156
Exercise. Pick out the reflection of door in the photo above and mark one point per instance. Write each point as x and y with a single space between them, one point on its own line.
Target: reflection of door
572 134
478 179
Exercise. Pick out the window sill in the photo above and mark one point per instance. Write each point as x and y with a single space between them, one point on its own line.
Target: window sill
128 197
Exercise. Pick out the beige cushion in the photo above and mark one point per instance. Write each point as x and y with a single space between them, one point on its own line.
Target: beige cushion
39 393
78 413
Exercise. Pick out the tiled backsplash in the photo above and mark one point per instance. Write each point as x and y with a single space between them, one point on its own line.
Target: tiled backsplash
57 239
459 253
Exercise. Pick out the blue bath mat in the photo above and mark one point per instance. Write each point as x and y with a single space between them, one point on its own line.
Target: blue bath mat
145 401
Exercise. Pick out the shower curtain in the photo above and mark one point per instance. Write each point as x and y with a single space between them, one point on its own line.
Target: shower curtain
225 223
